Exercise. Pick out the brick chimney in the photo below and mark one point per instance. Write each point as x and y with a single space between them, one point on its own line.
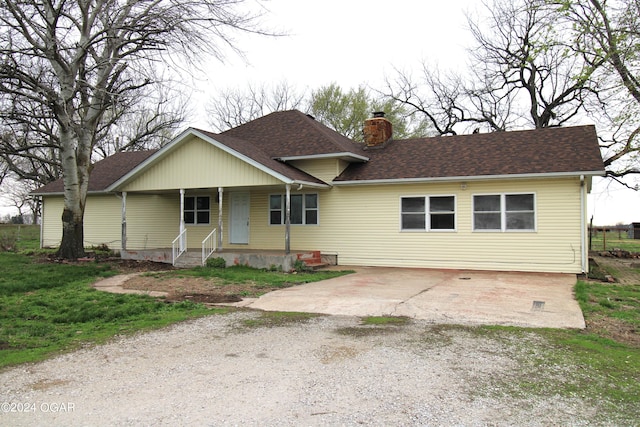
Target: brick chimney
377 130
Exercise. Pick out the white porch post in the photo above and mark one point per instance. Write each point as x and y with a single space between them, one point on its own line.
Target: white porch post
287 220
123 242
182 226
220 192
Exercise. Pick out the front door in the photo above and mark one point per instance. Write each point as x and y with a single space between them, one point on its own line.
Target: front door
239 230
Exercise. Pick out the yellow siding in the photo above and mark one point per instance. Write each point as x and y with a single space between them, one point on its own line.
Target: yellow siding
371 234
198 164
153 221
324 169
102 220
52 207
361 225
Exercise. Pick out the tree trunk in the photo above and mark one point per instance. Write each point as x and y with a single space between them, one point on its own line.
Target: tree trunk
76 164
72 245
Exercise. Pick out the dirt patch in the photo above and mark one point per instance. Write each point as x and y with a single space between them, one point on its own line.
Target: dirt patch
615 329
196 289
124 266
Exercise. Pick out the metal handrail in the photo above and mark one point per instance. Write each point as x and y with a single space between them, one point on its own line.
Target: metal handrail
209 245
181 242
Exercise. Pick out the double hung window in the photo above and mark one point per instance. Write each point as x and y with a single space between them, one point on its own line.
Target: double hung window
304 209
197 209
428 213
504 212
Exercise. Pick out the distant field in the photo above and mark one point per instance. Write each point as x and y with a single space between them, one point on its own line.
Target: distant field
27 237
613 239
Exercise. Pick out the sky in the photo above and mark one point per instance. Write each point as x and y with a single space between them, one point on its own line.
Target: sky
360 42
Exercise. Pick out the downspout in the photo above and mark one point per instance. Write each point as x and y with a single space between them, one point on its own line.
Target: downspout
287 221
583 216
220 192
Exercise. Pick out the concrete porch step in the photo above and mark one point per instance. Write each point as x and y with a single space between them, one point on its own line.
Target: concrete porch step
189 259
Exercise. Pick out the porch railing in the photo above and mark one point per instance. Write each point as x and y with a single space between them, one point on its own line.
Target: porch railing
179 246
209 245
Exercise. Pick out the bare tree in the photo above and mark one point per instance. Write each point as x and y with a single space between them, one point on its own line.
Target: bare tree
439 102
232 107
607 35
519 75
521 54
76 64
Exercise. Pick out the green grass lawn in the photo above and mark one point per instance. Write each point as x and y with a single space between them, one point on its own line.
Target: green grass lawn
47 308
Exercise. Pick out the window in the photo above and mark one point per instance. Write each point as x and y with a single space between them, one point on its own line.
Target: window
197 210
504 212
304 209
428 213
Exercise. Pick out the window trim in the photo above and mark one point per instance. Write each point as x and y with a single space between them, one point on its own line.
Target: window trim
427 214
503 213
195 210
283 209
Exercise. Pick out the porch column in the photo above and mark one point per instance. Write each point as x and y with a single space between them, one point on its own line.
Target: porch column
182 227
220 192
123 241
287 220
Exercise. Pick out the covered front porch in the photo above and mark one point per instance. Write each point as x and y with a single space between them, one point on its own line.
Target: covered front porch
199 198
243 225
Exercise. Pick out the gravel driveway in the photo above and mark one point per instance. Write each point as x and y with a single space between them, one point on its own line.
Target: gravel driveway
329 370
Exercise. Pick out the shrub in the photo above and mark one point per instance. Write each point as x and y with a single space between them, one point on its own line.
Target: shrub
299 265
8 242
216 263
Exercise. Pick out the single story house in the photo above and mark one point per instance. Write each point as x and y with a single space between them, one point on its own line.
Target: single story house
287 184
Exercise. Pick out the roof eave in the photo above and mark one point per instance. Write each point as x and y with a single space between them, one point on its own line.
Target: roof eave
469 178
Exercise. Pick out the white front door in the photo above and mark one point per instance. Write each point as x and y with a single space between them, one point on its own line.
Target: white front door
239 230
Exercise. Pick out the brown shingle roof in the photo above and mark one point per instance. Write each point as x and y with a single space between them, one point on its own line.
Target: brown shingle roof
540 151
105 172
292 133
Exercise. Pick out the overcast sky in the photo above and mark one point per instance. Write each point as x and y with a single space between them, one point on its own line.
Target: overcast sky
360 42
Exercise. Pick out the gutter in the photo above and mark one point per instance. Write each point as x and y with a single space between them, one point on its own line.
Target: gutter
468 178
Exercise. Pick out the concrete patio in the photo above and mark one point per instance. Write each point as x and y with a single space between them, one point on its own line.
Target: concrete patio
442 296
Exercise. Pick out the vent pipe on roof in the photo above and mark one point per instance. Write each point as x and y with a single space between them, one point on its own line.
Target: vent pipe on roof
377 130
